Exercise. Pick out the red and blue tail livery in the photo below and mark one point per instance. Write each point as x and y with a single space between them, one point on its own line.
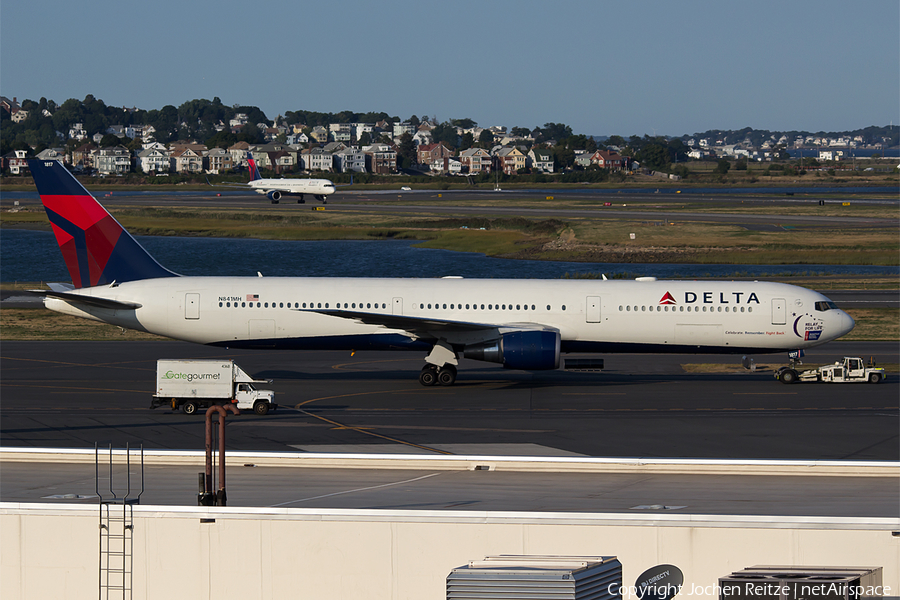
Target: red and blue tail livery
96 248
254 170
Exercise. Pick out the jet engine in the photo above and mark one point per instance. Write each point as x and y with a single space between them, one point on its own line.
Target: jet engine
274 196
526 350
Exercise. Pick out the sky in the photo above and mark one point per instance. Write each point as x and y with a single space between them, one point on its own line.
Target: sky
601 67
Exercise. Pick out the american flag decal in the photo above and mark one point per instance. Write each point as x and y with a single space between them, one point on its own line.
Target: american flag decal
251 297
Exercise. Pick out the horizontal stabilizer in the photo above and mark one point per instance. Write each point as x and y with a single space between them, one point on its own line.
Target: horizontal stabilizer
89 300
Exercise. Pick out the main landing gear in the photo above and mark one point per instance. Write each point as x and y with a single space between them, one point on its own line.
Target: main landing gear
440 367
434 375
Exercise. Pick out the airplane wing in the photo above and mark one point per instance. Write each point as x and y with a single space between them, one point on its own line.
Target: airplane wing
236 185
426 327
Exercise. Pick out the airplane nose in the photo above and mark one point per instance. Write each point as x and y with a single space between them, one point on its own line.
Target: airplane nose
847 323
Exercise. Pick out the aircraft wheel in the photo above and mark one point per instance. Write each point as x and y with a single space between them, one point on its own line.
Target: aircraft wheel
301 201
788 376
189 407
874 377
428 376
447 375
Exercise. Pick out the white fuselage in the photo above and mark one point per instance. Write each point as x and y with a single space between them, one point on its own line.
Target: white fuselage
590 315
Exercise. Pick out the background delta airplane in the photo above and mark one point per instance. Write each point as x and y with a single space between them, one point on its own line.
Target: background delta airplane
274 189
519 323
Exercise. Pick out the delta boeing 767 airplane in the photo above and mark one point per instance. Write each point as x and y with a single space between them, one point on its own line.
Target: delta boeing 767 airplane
519 323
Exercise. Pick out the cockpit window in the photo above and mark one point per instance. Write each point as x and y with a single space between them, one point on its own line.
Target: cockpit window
826 305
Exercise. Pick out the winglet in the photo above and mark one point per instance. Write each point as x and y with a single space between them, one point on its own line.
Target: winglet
96 248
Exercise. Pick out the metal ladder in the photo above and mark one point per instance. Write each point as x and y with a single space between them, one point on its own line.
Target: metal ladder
116 528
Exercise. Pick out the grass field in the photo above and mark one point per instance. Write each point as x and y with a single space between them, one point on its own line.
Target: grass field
600 239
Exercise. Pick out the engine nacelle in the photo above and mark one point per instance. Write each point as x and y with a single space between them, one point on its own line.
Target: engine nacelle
274 195
526 350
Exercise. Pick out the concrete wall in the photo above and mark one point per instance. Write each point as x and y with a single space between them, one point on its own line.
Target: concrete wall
51 550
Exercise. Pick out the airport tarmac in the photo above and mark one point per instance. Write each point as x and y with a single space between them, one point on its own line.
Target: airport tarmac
73 394
586 205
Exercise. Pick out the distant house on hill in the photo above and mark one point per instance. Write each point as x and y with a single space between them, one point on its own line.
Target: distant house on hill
540 160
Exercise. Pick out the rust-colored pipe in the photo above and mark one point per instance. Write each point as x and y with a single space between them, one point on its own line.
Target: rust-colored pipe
209 411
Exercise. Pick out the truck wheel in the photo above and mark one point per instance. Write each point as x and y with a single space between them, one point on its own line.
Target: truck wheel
261 408
874 377
788 376
189 407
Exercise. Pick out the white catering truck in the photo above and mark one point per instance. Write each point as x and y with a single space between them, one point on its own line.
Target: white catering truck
194 384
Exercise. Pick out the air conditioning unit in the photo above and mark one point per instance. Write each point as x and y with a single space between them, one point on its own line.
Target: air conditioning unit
559 577
765 582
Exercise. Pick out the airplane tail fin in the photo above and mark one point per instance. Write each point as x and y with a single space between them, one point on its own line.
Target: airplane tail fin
96 248
254 170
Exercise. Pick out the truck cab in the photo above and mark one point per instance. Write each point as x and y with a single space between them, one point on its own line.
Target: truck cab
246 397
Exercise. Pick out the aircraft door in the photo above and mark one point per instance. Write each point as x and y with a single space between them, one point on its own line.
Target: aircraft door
592 309
397 306
779 311
192 306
